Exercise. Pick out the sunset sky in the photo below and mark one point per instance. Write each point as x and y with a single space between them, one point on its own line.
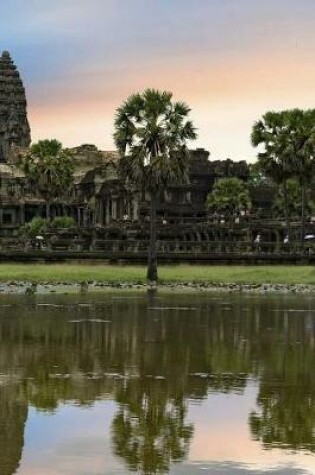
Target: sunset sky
231 60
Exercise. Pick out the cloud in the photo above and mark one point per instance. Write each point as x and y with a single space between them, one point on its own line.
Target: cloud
230 59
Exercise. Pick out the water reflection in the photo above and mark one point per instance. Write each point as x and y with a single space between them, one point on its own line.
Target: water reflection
150 430
13 414
153 356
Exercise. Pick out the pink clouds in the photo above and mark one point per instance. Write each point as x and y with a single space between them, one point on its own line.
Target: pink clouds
231 61
226 94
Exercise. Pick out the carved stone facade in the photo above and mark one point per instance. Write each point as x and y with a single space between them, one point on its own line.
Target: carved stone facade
14 126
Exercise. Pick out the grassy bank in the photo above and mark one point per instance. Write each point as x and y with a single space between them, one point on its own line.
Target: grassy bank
72 273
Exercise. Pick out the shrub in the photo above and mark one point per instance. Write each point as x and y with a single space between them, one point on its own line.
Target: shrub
37 226
62 222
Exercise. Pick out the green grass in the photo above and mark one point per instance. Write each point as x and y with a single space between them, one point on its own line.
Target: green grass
168 274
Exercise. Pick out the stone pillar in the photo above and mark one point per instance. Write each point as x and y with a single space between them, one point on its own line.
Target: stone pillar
114 209
135 216
278 241
22 214
79 216
97 211
107 214
118 209
101 212
85 217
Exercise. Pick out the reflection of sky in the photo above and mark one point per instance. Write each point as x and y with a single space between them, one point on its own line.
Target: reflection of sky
231 60
74 440
77 441
222 434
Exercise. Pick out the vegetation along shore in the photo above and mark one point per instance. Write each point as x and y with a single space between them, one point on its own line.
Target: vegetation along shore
51 277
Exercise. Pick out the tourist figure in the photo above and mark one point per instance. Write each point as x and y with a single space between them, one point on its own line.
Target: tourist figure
309 238
257 242
39 242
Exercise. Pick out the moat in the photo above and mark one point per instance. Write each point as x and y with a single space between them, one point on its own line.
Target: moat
117 383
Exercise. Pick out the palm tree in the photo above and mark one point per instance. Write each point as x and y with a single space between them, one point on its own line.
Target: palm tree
151 133
301 147
289 141
275 161
294 201
49 169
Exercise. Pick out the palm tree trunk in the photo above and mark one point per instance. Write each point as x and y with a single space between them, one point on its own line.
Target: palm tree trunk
152 275
287 216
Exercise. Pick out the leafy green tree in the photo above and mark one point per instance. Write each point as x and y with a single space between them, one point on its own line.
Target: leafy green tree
151 133
49 169
229 195
288 142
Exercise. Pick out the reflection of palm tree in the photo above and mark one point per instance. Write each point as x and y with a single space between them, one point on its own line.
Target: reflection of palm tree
287 417
149 431
13 415
286 397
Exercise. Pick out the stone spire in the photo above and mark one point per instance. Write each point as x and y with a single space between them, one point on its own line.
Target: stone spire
14 126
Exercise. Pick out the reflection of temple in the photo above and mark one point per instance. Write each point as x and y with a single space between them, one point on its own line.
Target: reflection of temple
50 355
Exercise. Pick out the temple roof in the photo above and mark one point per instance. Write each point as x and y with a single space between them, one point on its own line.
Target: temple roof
9 74
14 126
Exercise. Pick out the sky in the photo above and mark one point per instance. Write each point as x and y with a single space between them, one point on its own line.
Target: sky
230 60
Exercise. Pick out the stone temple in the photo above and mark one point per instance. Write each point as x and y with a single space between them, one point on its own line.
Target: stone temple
110 215
14 126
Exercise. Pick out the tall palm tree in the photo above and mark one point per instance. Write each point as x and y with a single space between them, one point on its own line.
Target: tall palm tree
301 148
289 141
275 161
151 133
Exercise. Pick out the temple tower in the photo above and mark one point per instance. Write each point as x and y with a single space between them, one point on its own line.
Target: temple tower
14 126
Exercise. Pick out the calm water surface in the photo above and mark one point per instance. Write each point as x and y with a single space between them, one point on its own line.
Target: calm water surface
181 384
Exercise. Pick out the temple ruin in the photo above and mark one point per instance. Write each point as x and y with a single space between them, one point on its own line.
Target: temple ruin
111 217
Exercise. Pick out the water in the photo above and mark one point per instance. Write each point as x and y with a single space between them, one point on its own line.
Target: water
183 384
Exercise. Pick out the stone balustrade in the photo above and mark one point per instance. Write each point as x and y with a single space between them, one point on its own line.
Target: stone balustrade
164 247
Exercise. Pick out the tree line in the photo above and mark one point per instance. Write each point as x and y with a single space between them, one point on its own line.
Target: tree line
152 134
